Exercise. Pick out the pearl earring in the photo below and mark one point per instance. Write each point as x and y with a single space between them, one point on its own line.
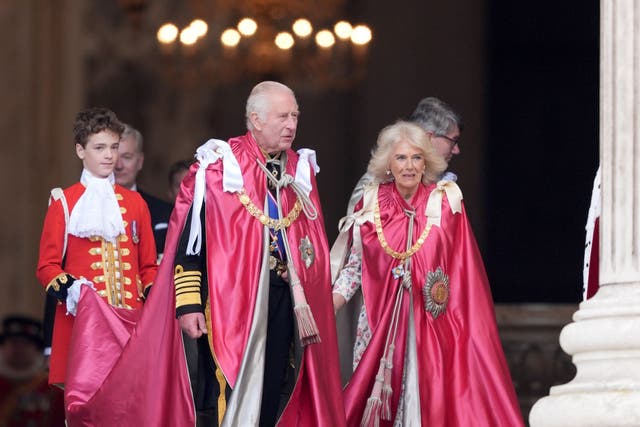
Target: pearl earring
388 171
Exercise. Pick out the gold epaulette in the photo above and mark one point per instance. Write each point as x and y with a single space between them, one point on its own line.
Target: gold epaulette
187 286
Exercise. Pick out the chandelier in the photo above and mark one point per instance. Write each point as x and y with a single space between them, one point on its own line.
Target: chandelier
301 43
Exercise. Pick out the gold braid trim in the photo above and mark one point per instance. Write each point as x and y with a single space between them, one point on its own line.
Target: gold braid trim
383 241
60 279
222 398
222 381
187 285
275 224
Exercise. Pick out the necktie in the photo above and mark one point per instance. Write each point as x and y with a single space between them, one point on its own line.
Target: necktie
277 247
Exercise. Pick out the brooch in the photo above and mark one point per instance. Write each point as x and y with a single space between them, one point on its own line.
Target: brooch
134 230
277 265
397 271
307 252
436 292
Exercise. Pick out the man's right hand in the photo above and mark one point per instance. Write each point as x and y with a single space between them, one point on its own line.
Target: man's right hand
193 324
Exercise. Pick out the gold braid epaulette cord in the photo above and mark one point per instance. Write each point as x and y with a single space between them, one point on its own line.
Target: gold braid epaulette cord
275 224
383 241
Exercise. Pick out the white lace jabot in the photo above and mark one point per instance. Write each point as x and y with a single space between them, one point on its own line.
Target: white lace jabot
97 212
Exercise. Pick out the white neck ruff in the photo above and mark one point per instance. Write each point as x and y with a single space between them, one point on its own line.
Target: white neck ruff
97 212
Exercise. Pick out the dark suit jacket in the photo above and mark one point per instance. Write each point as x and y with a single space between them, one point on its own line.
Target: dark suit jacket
160 213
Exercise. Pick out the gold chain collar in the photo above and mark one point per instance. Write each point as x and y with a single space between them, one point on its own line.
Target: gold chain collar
275 224
383 241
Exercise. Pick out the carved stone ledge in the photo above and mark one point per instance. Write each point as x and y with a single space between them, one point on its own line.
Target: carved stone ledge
530 338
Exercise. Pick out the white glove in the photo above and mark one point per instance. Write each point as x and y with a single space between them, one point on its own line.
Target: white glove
73 294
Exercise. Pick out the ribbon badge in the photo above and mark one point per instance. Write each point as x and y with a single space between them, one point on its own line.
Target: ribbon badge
307 252
436 292
134 231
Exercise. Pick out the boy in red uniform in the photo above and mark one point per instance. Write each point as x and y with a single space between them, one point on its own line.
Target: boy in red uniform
95 233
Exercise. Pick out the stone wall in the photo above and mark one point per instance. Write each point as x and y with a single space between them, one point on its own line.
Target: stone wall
529 334
41 85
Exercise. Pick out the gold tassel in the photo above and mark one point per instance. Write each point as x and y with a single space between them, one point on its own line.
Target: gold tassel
387 390
307 328
371 416
386 402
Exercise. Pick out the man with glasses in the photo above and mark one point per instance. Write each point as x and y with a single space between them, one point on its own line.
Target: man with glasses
442 124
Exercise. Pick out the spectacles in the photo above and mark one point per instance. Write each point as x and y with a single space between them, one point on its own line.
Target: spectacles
451 141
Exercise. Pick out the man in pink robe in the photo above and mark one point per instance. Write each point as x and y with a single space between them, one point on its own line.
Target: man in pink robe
252 275
427 350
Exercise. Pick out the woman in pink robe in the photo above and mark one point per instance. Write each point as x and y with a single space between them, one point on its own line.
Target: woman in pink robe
427 350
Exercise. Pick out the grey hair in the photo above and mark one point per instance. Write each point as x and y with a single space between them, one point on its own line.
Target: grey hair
434 115
130 131
258 101
393 134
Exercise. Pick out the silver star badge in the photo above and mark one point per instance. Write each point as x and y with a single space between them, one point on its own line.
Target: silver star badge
307 252
436 292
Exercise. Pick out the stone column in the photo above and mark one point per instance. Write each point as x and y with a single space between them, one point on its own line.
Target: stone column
604 339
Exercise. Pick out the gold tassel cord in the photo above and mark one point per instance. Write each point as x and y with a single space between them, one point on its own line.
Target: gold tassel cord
307 328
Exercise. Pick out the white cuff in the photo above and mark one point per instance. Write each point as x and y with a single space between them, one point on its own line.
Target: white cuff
73 295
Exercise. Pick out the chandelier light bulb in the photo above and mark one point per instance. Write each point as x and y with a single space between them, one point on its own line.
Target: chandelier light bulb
361 35
343 30
247 27
188 36
325 39
302 27
230 37
284 40
167 33
199 27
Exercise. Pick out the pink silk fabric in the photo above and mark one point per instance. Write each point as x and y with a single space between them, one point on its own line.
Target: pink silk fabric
128 368
234 244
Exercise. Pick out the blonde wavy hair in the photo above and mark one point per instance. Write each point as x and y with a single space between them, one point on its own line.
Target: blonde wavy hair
393 134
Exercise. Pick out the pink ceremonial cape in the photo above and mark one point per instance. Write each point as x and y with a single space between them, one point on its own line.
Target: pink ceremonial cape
127 368
235 245
462 374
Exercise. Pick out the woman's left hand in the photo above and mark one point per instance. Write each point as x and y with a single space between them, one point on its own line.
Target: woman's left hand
338 302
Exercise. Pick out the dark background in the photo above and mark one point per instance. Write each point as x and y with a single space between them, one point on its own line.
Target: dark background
542 146
524 76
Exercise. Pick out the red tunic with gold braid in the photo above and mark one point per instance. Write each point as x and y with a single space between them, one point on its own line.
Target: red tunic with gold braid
120 272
